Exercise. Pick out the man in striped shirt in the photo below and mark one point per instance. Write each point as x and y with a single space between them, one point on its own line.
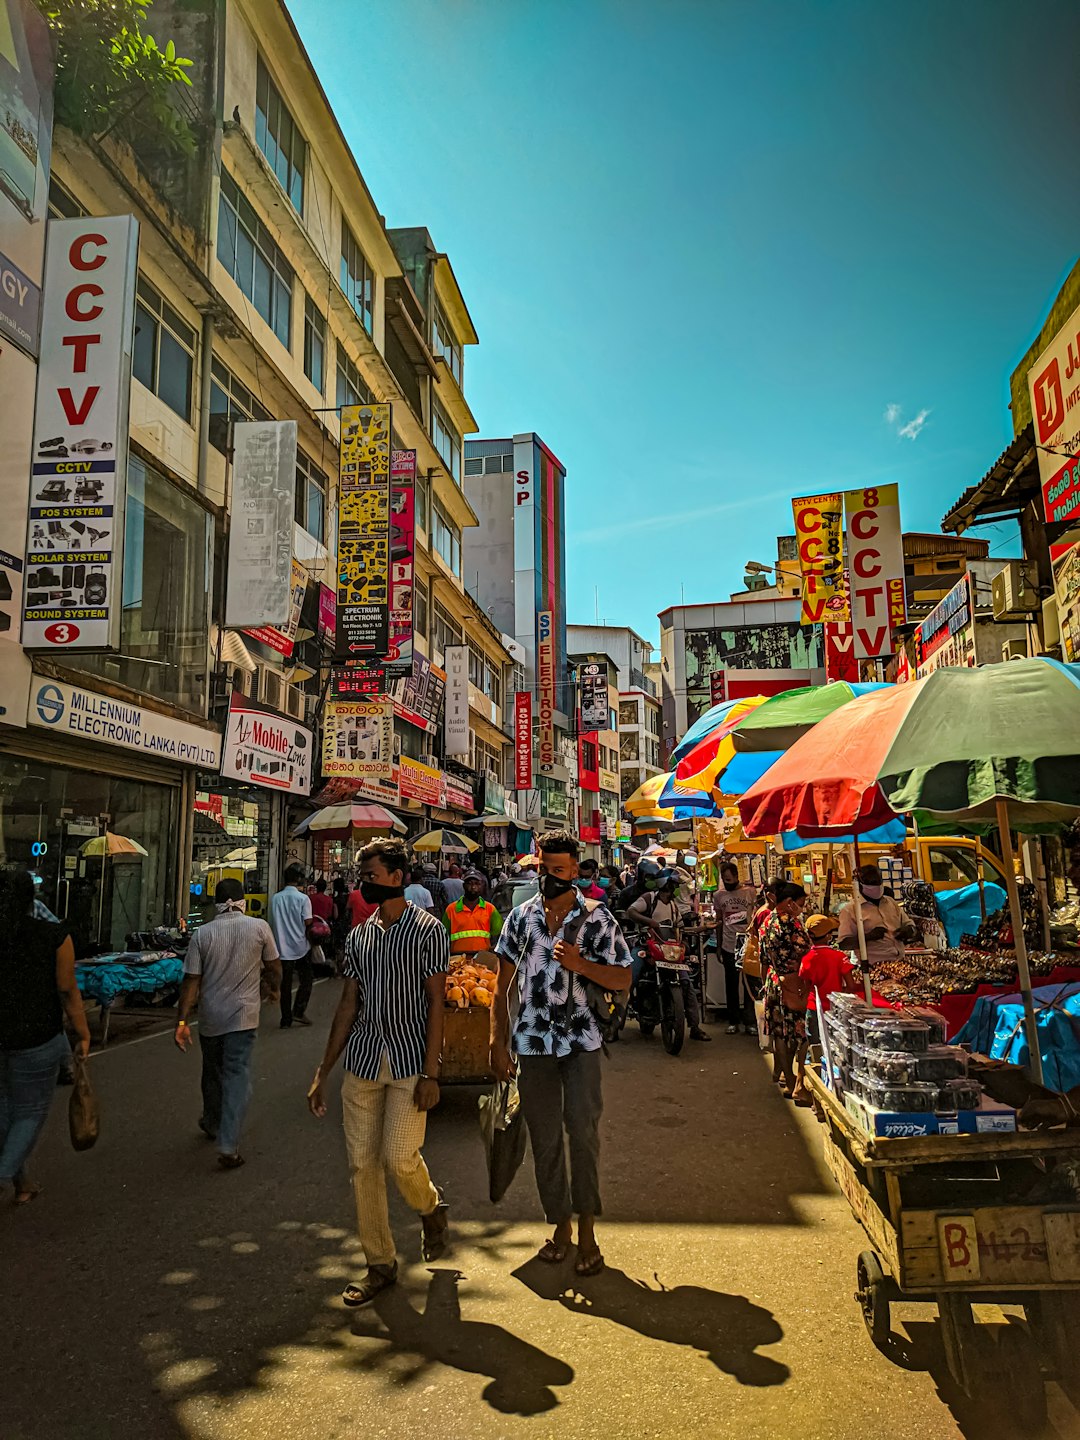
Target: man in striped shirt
389 1023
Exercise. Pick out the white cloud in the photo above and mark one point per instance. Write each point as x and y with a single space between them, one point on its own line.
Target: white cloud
913 428
892 414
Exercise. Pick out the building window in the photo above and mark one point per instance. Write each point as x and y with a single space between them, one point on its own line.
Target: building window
589 759
314 343
628 745
163 357
311 485
420 608
62 204
443 342
279 139
420 501
474 467
357 279
447 441
445 538
444 630
230 401
628 712
251 256
652 719
351 389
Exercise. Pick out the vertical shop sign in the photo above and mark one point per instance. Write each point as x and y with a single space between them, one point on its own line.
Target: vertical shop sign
1067 594
875 561
259 579
1055 398
78 480
363 573
819 534
545 678
358 739
594 696
456 714
839 638
717 687
523 771
283 639
402 549
327 612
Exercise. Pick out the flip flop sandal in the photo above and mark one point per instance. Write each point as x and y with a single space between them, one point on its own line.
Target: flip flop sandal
589 1264
552 1253
804 1102
23 1197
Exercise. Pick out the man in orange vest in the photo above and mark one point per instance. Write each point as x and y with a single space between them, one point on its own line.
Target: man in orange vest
473 922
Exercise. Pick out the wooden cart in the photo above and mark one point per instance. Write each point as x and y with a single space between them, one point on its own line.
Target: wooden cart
967 1219
467 1040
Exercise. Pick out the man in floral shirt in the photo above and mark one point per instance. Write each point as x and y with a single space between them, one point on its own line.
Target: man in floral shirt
549 948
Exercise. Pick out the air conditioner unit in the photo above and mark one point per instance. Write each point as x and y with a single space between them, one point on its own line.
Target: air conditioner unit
294 702
1014 597
1014 650
1051 625
271 688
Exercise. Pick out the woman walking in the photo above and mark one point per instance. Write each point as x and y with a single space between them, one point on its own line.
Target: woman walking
783 945
37 988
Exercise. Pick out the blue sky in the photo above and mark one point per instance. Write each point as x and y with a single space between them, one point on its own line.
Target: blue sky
719 254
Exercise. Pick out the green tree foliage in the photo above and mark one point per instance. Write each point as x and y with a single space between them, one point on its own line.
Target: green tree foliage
112 77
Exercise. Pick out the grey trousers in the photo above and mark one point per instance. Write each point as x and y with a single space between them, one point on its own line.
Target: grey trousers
562 1101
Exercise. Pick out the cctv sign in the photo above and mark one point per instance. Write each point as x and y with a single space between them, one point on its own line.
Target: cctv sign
78 470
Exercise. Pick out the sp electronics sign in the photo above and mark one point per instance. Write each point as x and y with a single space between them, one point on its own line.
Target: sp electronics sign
264 748
78 472
523 774
1054 386
875 562
545 681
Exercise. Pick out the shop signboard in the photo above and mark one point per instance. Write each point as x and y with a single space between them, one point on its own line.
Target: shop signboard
421 782
26 116
385 790
327 612
875 564
593 682
609 780
284 640
456 711
1055 412
78 472
1067 595
418 697
85 715
258 583
265 748
947 635
523 771
399 652
363 570
545 677
838 639
358 738
819 533
717 687
459 794
356 683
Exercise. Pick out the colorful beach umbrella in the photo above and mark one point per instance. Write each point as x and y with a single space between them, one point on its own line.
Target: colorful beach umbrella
342 822
781 719
646 798
110 844
452 841
696 772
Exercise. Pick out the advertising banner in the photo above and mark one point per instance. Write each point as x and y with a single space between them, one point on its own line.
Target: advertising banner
1055 412
402 550
839 640
609 780
26 117
523 772
458 794
875 564
421 782
819 534
947 635
86 715
1067 595
545 684
363 572
456 713
593 684
75 529
418 698
259 583
265 748
358 739
347 683
717 687
327 612
284 640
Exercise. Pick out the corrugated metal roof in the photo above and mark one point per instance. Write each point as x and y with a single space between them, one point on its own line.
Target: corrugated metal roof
1009 483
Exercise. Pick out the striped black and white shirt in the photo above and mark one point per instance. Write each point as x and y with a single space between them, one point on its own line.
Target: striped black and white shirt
390 966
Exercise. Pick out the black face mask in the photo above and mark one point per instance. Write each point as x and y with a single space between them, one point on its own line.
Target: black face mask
731 884
551 887
375 894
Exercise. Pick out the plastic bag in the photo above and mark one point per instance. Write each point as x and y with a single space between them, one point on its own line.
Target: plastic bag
84 1119
502 1125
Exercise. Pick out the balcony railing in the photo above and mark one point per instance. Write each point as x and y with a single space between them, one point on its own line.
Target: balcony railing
640 681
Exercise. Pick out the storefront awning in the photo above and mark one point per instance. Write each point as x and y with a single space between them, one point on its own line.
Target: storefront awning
1006 488
235 653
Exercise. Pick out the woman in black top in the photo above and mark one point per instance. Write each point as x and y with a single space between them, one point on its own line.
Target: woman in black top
37 988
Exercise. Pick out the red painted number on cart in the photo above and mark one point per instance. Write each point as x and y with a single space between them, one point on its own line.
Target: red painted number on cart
61 634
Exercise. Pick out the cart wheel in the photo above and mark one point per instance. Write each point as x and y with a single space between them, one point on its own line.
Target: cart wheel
1020 1375
873 1297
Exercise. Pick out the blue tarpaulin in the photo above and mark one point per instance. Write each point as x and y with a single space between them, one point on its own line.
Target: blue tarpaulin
960 911
996 1029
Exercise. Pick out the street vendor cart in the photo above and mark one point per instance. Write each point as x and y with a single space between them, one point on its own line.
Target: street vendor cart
467 1026
962 1220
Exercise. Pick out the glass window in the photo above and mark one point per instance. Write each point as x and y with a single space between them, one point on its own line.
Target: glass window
251 256
446 538
163 358
420 501
628 712
443 342
420 608
447 440
474 467
168 572
351 389
229 401
652 719
279 139
588 755
311 485
314 343
357 279
628 745
62 204
950 866
445 631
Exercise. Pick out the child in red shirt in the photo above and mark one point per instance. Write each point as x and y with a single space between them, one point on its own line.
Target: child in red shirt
824 970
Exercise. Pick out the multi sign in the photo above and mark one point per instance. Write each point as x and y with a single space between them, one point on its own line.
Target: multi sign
264 748
259 582
523 772
363 573
75 530
456 714
1054 385
545 681
875 563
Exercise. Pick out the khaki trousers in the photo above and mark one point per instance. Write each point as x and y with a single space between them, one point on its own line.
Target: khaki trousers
383 1132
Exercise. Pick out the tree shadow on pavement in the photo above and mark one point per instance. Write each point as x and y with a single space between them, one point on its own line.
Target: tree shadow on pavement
728 1329
522 1375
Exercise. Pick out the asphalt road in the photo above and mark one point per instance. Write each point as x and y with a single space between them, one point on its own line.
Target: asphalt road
147 1294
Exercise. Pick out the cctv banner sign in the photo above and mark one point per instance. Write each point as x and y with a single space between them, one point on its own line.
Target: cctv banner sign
78 472
875 563
819 532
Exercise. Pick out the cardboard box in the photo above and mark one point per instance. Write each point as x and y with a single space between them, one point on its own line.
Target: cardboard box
990 1118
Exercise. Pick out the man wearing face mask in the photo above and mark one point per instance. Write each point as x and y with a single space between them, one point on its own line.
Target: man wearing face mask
549 948
733 906
389 1023
885 926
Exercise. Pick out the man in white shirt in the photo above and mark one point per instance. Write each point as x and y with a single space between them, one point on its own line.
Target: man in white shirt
885 926
661 912
290 920
419 895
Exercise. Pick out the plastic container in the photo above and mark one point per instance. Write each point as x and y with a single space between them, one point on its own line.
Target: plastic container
933 1018
959 1095
941 1064
936 1066
914 1096
892 1032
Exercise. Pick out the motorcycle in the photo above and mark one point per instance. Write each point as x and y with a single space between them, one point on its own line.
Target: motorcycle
657 995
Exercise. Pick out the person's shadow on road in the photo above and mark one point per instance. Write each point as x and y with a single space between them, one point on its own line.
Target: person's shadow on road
726 1328
522 1375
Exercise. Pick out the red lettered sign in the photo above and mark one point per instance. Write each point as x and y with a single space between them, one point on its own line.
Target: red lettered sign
523 776
875 564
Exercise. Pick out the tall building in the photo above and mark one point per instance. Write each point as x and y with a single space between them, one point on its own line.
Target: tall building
639 710
515 568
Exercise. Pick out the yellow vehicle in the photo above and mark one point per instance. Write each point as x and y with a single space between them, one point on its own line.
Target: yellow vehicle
947 862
